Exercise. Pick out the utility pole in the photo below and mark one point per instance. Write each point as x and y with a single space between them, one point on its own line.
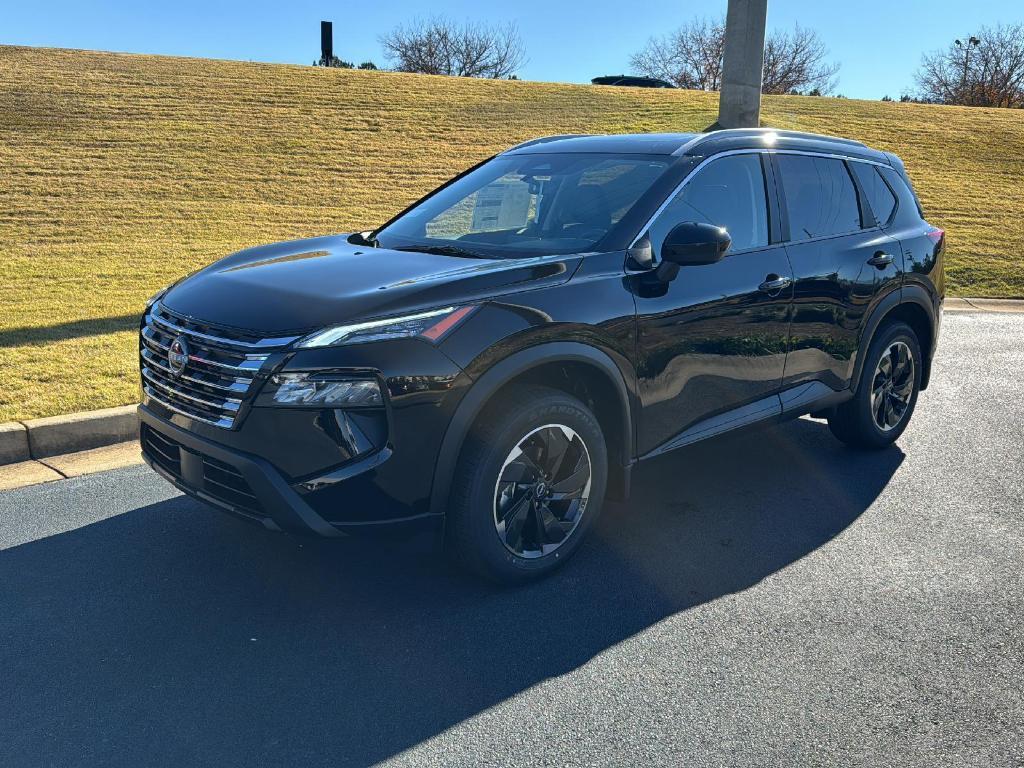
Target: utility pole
972 42
739 103
326 43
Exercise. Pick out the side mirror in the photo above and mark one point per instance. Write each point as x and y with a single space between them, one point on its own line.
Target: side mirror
691 244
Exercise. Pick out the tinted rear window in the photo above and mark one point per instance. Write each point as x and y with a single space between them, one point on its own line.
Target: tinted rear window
820 196
908 213
880 197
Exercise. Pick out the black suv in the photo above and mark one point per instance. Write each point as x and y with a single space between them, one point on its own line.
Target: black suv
493 361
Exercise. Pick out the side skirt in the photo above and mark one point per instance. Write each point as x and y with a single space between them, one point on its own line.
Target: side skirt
810 397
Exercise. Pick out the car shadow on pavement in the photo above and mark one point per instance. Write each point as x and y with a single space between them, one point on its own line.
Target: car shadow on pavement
174 635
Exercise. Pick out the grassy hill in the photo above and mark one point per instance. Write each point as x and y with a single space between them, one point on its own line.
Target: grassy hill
121 172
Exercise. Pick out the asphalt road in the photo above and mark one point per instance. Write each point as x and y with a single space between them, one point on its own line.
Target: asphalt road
770 600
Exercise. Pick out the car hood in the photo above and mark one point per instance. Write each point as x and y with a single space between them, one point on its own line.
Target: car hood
294 287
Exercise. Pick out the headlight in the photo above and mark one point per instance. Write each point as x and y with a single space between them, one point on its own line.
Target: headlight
432 325
324 389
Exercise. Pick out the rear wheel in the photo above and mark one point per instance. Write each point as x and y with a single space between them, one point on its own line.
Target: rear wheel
528 487
886 393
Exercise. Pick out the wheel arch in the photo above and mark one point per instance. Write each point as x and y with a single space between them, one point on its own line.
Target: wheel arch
913 306
572 367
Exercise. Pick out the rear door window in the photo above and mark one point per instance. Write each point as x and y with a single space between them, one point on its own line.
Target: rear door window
728 192
820 196
880 197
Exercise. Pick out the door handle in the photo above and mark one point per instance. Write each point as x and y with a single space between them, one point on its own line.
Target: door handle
881 260
773 284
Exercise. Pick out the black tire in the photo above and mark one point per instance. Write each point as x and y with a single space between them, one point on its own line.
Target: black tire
855 422
473 539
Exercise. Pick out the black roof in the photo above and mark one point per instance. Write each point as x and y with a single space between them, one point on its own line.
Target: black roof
700 144
635 81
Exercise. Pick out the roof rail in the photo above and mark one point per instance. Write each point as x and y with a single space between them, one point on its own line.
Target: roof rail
777 131
546 139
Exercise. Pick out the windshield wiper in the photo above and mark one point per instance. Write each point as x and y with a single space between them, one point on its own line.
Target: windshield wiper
442 250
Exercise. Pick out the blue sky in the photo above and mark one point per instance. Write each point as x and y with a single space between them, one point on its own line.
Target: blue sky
877 42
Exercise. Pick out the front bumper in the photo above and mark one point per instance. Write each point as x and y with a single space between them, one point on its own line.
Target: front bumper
320 471
239 483
250 487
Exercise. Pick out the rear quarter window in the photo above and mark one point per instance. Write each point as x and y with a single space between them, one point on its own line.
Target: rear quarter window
908 210
876 190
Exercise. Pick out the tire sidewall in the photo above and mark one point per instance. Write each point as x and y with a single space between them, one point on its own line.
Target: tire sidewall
509 431
890 335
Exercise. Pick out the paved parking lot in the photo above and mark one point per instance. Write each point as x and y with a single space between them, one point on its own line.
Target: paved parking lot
774 599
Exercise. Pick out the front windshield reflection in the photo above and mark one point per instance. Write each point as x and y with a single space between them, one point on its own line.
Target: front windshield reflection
526 205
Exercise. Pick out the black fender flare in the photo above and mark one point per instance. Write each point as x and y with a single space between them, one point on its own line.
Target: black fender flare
908 294
502 373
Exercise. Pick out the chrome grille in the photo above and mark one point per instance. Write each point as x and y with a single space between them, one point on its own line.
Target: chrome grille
219 372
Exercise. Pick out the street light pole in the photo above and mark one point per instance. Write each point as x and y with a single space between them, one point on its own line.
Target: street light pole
739 104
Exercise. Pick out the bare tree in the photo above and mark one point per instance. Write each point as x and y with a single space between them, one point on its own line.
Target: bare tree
691 57
439 46
797 61
983 70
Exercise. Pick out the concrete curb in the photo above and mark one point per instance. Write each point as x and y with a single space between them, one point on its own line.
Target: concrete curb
13 443
59 435
21 474
984 305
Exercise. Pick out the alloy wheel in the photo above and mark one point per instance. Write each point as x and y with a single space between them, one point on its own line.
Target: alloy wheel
892 386
542 491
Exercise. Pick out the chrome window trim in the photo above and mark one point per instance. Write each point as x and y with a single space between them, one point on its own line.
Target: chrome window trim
791 241
750 151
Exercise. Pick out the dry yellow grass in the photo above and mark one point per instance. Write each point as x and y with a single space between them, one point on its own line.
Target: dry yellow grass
121 172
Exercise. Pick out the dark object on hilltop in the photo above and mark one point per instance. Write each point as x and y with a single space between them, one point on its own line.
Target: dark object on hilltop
635 81
327 57
326 43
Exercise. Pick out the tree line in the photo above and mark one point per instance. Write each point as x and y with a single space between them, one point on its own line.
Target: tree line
985 69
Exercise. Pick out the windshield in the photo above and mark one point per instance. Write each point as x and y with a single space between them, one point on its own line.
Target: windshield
528 205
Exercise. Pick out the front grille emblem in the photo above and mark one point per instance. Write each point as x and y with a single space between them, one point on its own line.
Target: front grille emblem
177 355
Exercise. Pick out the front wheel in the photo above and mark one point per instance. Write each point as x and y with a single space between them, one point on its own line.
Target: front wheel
529 485
886 393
